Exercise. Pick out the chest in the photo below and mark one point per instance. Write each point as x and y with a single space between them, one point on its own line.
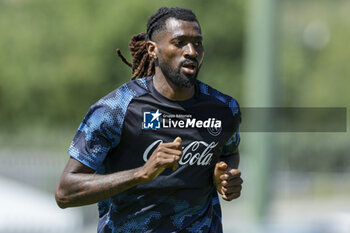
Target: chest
203 128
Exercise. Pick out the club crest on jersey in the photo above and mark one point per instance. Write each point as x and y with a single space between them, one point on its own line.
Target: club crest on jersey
151 120
215 131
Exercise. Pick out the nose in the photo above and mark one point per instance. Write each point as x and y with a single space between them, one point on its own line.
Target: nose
190 51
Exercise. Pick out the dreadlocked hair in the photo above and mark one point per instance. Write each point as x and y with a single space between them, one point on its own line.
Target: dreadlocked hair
142 63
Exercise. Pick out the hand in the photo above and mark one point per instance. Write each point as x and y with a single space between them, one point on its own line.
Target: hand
166 155
228 181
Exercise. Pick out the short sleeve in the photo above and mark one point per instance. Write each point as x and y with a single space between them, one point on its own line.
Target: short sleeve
232 144
101 128
96 135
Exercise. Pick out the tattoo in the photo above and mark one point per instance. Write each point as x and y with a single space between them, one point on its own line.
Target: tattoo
84 188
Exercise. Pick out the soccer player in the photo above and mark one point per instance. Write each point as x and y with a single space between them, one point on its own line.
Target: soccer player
155 152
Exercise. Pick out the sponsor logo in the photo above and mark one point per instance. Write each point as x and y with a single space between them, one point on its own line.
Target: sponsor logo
153 120
191 123
190 154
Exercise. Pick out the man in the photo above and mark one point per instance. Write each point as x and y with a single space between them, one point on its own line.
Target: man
155 152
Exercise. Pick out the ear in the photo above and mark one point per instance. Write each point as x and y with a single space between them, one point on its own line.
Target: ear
152 48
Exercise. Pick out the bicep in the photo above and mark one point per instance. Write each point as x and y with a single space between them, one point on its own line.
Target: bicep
68 180
74 166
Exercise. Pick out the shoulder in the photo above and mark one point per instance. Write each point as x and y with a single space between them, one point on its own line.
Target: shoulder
115 104
123 95
222 98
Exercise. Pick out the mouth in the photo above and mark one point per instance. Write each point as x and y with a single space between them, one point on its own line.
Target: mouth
189 67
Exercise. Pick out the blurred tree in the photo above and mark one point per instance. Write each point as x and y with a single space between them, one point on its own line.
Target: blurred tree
58 58
314 73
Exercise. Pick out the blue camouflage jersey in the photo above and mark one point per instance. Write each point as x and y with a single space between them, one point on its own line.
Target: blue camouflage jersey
121 131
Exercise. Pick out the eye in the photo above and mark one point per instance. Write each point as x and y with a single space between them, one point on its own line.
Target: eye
179 43
197 44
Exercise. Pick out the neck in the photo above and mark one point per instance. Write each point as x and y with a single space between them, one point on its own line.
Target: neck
170 90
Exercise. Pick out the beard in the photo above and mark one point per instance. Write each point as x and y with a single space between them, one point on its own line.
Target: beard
176 77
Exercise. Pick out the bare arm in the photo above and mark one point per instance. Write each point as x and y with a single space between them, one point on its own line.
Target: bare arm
79 186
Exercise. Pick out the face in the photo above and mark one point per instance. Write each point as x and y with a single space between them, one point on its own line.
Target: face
179 51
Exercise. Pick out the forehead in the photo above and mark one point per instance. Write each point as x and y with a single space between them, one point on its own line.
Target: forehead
179 28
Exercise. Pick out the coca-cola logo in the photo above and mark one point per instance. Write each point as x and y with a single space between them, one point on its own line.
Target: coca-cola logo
190 153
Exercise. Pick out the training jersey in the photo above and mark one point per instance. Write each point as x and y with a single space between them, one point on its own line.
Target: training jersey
121 131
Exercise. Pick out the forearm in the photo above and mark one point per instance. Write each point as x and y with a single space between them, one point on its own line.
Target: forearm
79 185
77 189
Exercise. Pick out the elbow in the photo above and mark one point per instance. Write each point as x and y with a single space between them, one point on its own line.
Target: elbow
62 199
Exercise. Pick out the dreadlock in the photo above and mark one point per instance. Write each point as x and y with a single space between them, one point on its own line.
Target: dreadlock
142 63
